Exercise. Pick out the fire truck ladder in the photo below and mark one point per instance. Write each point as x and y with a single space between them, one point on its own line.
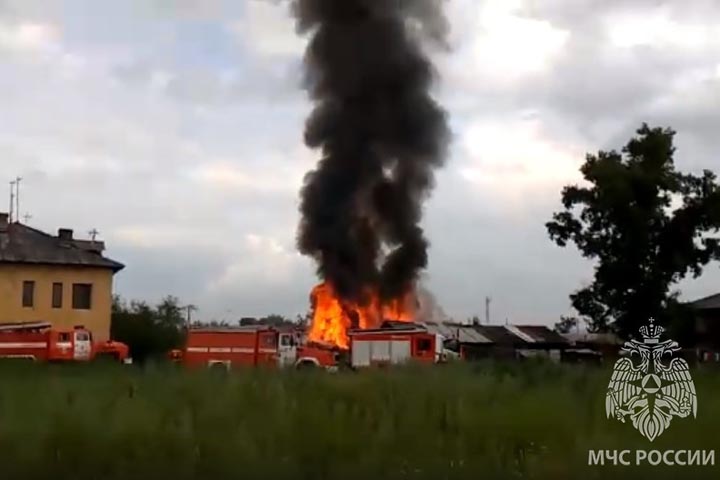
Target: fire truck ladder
21 326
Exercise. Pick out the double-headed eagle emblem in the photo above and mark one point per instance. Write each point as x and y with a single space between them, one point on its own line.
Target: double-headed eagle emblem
650 393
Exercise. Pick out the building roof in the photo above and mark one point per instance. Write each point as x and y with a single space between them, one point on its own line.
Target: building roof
22 244
504 335
462 333
707 303
593 338
540 334
501 335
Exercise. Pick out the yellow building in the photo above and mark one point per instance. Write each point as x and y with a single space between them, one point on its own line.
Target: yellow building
56 279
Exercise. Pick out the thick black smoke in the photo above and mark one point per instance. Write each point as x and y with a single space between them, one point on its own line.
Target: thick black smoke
381 135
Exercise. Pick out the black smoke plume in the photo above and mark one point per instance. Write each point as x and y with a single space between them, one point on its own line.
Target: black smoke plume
381 134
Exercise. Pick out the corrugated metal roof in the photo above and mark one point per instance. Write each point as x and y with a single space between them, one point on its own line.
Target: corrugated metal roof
472 335
456 331
23 244
508 335
499 334
439 328
541 334
519 333
597 338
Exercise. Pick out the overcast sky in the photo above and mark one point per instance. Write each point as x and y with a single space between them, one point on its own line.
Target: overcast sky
174 127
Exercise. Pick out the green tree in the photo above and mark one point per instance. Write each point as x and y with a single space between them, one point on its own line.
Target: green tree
150 332
276 320
644 223
566 324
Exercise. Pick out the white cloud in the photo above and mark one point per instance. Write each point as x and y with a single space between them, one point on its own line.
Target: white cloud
267 28
188 236
497 43
233 175
658 30
275 267
28 36
160 79
516 161
40 44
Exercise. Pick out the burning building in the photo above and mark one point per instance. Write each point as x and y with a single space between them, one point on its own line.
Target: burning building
381 135
333 316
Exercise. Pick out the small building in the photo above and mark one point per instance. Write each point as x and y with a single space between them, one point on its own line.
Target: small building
707 327
508 342
540 341
592 347
55 279
504 344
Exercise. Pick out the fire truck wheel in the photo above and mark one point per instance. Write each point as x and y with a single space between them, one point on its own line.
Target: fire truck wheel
107 358
306 365
220 367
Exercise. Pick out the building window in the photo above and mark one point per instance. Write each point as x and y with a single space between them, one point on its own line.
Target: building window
28 293
57 294
82 295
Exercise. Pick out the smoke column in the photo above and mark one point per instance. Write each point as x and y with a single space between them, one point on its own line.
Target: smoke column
381 135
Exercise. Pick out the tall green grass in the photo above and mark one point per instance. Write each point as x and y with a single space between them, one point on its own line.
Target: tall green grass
481 421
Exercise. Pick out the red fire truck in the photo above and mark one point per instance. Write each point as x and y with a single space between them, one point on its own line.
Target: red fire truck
394 344
268 346
38 341
256 345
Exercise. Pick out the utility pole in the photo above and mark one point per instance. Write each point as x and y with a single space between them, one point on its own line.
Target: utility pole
487 310
189 308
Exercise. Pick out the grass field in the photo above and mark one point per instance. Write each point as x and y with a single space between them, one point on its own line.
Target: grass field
466 421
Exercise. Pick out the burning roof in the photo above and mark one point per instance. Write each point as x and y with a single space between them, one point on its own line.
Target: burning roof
333 317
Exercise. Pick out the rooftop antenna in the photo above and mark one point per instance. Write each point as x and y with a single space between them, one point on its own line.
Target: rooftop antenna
27 218
93 234
17 196
12 200
487 310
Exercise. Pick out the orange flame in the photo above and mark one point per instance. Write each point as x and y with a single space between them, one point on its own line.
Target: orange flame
332 317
